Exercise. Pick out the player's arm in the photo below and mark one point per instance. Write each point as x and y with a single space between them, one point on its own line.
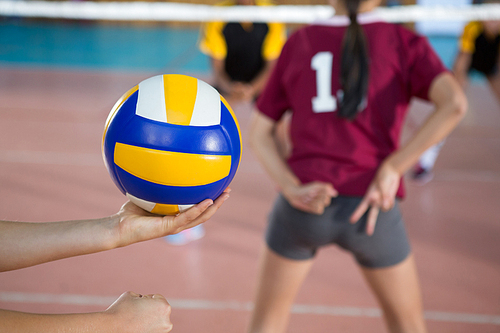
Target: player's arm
222 80
21 322
213 44
312 197
259 82
466 49
450 107
24 244
461 67
130 313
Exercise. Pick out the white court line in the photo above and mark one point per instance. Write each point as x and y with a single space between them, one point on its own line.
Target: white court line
454 175
194 304
50 157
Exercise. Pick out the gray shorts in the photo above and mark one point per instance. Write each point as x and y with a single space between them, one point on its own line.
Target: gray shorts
297 235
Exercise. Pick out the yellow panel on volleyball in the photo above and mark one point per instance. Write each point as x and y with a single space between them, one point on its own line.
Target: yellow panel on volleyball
164 209
171 168
180 96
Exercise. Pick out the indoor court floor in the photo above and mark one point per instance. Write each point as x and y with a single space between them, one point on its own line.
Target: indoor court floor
51 124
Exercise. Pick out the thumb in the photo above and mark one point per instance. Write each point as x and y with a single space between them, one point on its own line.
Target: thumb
331 191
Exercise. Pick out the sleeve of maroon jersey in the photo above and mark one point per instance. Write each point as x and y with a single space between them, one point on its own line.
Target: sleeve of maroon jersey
424 66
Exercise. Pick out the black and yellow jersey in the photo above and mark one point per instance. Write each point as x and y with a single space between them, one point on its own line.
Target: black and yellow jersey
244 46
484 49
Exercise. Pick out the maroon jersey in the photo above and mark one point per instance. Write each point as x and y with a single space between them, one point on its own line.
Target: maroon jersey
306 81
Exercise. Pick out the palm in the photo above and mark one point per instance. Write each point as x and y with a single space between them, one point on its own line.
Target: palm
138 225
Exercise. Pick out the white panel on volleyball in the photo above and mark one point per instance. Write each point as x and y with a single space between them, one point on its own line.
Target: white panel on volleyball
183 208
151 100
206 110
146 205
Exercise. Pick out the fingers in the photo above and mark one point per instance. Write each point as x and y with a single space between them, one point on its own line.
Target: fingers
373 211
370 203
315 197
199 213
387 201
372 220
141 313
331 191
360 210
210 207
152 296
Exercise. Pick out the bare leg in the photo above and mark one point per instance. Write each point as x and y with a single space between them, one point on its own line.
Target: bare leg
279 281
398 292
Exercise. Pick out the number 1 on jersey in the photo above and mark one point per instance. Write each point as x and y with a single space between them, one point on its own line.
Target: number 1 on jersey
324 101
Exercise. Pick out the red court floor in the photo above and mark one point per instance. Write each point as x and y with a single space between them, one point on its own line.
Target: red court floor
51 169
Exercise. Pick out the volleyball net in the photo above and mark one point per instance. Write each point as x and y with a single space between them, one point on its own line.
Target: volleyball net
188 12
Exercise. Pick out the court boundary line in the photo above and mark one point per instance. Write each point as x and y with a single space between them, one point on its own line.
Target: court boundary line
199 304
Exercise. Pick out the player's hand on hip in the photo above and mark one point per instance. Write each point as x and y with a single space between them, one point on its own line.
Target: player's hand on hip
141 313
312 197
380 195
136 224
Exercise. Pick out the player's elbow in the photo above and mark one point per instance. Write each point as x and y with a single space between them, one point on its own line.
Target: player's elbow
459 104
448 96
261 131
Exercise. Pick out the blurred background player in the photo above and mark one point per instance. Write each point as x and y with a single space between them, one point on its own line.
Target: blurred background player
478 52
242 53
348 82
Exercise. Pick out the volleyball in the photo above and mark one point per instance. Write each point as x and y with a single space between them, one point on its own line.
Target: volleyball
171 142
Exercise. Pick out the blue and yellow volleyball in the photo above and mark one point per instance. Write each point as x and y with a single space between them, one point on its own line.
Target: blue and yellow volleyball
170 142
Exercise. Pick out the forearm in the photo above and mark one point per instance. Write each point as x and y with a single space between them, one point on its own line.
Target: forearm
265 148
461 68
259 82
446 117
436 128
222 80
14 322
25 244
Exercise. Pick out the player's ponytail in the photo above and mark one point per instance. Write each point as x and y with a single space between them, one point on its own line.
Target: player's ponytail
354 68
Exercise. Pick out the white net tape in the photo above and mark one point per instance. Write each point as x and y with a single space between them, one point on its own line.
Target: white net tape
168 11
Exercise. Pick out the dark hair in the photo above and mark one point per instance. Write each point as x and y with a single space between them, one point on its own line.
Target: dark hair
354 68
